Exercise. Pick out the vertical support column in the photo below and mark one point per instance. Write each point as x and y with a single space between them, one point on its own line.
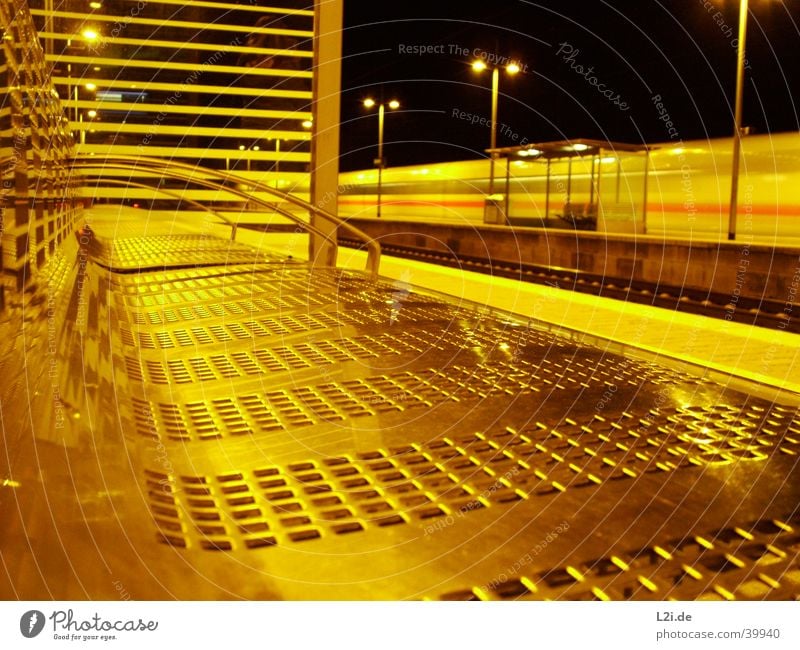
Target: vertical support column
508 190
644 190
495 93
547 193
737 119
381 117
325 134
601 217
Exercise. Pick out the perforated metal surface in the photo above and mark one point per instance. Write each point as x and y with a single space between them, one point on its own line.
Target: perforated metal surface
448 476
755 560
165 251
265 431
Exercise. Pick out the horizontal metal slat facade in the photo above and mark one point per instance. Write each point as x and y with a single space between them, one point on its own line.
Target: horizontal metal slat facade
223 84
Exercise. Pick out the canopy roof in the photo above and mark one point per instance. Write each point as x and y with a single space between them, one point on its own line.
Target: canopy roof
566 149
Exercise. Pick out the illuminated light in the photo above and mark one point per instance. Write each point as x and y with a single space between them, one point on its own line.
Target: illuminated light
369 102
256 148
479 66
512 68
360 177
678 151
241 147
307 124
91 86
424 171
608 159
92 113
10 483
96 5
394 104
520 163
90 34
530 152
579 147
96 68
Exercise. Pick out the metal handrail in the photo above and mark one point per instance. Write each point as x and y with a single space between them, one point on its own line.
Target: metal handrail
332 245
373 247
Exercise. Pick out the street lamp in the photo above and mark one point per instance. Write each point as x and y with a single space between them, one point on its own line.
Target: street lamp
737 119
379 161
512 69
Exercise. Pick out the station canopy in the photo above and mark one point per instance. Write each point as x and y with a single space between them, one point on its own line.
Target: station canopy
567 149
583 183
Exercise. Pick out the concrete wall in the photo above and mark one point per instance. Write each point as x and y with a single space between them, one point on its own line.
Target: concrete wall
734 268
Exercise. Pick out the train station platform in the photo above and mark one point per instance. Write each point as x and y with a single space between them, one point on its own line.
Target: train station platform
216 419
767 356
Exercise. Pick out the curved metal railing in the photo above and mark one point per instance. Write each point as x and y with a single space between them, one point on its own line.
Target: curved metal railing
190 174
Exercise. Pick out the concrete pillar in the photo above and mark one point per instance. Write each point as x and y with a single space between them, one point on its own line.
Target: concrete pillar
325 135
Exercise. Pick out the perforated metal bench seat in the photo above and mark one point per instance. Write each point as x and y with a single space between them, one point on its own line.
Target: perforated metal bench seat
238 426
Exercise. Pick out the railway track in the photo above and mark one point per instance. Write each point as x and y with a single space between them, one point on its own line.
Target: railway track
750 311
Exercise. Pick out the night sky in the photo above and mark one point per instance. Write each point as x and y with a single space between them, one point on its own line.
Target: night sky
682 50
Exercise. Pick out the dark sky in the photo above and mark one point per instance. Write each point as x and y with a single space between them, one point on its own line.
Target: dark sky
682 50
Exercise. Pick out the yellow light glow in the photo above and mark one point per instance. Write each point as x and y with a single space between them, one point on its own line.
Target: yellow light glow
241 147
96 5
580 147
256 148
91 86
369 102
394 104
92 113
307 124
478 66
512 68
90 34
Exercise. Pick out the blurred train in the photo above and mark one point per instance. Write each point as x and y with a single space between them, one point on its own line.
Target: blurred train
674 188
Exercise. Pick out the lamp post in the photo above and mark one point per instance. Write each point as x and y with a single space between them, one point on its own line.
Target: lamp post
512 69
737 119
393 104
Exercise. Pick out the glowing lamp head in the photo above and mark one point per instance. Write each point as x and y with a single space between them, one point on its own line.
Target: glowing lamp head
369 102
479 66
92 113
512 68
90 34
307 124
91 86
394 104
